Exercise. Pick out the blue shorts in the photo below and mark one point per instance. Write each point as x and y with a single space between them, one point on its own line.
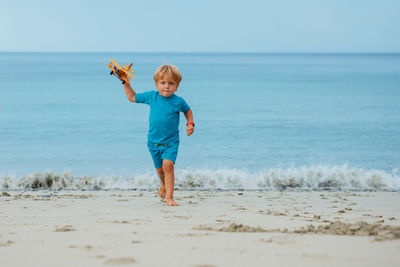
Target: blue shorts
163 151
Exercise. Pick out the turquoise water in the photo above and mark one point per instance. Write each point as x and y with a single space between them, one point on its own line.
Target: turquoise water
63 112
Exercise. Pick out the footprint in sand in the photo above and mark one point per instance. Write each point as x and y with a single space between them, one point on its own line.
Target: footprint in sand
122 222
66 228
7 243
118 261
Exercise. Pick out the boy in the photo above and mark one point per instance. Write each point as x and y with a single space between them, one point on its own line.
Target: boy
163 136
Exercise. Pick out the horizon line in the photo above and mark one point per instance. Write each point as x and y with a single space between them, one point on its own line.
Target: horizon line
197 52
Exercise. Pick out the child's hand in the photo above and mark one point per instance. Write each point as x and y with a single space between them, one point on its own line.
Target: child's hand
121 75
189 129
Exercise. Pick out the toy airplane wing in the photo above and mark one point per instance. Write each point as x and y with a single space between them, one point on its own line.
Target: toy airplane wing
124 74
127 70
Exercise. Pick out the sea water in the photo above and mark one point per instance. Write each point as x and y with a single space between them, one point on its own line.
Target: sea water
263 121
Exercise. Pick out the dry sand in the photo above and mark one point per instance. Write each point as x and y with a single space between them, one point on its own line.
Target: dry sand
128 228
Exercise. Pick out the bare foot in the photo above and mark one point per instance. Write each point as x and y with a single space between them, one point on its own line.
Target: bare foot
161 192
171 202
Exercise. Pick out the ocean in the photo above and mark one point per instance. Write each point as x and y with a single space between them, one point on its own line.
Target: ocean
263 121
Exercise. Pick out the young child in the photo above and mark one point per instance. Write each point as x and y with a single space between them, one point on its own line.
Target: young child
163 136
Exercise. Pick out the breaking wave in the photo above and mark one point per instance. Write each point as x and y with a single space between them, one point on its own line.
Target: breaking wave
318 177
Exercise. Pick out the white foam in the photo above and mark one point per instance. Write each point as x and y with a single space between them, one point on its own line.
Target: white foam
319 177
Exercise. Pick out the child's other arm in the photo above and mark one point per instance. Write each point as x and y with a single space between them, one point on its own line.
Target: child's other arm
189 118
130 93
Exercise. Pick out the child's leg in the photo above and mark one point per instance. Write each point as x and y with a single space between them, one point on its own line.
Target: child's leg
156 152
168 168
161 175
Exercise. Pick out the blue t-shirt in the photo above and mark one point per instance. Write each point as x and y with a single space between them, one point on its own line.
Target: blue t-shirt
164 116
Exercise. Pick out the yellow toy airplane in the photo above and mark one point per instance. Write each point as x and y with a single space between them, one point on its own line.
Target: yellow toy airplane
124 74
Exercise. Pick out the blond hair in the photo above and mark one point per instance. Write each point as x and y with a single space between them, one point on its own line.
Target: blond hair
170 72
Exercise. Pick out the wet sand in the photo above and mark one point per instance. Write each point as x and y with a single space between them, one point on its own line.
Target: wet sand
122 228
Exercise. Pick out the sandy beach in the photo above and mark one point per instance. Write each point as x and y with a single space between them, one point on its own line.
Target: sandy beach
269 228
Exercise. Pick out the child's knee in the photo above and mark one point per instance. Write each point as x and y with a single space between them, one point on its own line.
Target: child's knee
168 165
160 171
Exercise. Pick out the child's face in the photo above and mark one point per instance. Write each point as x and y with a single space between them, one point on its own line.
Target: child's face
166 87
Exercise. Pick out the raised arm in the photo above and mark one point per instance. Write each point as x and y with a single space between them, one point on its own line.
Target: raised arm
129 92
189 118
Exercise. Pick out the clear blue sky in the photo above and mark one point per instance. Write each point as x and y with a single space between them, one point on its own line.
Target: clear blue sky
200 26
